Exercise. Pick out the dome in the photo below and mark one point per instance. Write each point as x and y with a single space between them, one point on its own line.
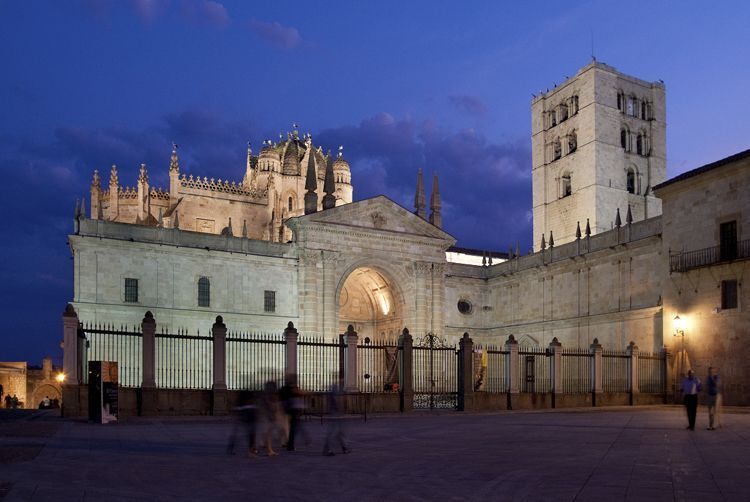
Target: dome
291 159
340 165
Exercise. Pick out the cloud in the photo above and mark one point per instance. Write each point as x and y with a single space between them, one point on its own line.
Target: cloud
148 10
206 12
470 104
278 35
203 12
485 186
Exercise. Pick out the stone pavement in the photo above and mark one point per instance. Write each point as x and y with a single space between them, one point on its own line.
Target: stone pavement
585 454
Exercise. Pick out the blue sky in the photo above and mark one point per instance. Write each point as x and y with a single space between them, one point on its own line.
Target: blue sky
402 85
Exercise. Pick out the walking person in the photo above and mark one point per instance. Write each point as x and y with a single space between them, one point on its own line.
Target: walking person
335 433
294 406
270 416
713 398
691 386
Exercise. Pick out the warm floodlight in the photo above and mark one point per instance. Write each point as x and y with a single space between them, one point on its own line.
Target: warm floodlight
679 326
60 377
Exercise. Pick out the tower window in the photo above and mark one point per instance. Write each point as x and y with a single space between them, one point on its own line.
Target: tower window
728 240
644 115
552 119
269 301
291 204
131 290
556 149
204 292
624 139
572 142
728 294
574 104
566 186
631 181
563 113
639 144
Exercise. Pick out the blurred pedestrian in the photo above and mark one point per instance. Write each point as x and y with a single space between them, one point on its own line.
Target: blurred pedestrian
294 406
713 398
269 415
335 433
691 386
14 402
8 401
246 419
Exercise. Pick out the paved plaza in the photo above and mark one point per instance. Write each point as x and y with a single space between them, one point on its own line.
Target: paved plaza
603 454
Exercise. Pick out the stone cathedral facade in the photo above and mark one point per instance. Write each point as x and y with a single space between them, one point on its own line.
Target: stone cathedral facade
288 243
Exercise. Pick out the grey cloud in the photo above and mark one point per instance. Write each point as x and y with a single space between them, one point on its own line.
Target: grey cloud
470 104
278 35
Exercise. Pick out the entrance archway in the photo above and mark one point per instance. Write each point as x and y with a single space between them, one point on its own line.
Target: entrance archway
371 302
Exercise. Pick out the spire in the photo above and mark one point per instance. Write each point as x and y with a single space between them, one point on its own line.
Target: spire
518 250
174 162
551 240
578 230
329 199
419 199
629 216
113 181
176 220
96 182
618 220
83 208
143 174
435 217
588 228
311 185
544 243
160 221
244 228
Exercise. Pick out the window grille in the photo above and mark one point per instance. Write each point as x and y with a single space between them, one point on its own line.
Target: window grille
204 292
269 301
131 290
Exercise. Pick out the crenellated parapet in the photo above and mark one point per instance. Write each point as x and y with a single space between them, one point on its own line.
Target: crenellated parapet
211 185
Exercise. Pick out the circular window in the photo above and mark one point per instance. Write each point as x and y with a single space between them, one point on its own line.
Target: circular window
465 307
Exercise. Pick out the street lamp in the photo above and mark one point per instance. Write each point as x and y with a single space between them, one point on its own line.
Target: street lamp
60 377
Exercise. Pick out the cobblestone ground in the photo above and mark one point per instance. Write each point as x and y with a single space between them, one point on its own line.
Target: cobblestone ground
602 454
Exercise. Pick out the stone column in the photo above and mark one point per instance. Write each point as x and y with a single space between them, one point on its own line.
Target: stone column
350 361
148 352
422 271
407 383
291 336
329 327
512 370
71 363
309 292
597 379
632 351
438 299
555 369
219 388
466 374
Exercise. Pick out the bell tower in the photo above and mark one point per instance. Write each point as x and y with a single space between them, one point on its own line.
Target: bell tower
598 145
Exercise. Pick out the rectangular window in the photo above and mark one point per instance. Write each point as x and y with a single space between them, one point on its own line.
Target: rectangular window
269 301
204 292
728 295
131 290
728 240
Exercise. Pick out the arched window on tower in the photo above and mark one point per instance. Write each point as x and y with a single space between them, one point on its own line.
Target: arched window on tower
291 204
624 133
556 149
572 142
574 105
644 110
566 187
621 101
552 118
631 180
563 113
639 144
204 292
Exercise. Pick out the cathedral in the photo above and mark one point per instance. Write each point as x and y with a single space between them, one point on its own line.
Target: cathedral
612 243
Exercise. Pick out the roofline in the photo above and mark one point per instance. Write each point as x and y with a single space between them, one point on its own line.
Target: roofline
704 169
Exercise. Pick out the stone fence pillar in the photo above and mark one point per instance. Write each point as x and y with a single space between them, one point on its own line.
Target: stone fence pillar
555 368
350 360
219 388
71 363
148 384
466 374
512 370
597 375
406 387
632 370
667 375
290 337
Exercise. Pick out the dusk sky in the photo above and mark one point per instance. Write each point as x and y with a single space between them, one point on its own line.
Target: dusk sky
402 85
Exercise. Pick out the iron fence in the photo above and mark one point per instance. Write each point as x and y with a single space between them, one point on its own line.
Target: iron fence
651 373
496 378
534 374
184 361
108 343
435 373
254 359
614 371
576 370
377 363
320 363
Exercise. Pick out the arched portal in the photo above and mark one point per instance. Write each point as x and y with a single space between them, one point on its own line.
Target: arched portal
371 302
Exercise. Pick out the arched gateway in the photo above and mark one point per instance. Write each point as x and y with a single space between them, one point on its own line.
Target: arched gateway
371 301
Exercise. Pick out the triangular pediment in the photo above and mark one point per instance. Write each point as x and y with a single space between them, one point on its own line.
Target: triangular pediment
379 214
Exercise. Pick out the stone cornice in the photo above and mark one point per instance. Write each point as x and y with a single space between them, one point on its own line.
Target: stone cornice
315 229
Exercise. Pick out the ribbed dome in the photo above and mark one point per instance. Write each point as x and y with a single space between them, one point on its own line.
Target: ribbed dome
291 160
341 165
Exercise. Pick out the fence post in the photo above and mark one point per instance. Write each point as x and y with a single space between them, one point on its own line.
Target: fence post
219 388
512 370
466 374
71 363
632 371
665 372
597 378
291 336
148 384
350 360
407 383
555 373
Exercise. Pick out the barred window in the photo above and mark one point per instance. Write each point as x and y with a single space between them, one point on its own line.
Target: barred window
728 295
131 290
204 292
269 301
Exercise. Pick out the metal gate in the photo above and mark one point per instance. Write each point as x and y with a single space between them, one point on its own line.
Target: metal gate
435 368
